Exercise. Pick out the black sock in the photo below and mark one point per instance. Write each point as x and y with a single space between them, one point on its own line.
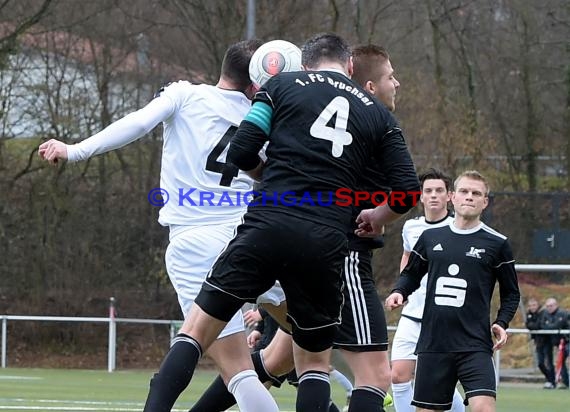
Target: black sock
314 392
367 399
333 407
216 398
174 374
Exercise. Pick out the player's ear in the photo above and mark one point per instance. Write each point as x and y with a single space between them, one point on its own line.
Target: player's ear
485 202
251 90
370 87
350 68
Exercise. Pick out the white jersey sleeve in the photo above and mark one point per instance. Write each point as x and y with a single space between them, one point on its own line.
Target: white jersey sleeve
411 232
123 131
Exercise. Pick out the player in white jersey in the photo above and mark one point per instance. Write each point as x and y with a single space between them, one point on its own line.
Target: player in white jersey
435 196
206 204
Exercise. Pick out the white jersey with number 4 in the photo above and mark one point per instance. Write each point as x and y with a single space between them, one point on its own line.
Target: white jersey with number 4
202 188
411 232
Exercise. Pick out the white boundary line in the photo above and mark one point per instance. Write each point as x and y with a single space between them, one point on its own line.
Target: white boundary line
28 405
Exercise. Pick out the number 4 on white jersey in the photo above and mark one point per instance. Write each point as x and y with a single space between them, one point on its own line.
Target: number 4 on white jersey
337 134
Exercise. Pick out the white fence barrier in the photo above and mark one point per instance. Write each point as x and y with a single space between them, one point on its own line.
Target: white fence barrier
112 321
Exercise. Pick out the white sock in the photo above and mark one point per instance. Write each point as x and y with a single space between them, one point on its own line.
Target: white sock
403 394
342 380
457 405
250 394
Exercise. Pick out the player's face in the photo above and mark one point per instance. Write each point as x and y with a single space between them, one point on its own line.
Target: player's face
469 198
434 195
386 87
533 305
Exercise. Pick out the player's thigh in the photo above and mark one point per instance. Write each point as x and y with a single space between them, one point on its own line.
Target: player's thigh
273 302
436 378
243 271
370 368
190 254
311 276
363 326
278 355
476 373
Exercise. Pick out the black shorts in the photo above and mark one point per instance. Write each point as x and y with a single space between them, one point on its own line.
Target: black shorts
307 259
363 323
437 375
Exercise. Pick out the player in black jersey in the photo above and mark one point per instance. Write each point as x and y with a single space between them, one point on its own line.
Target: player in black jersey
463 261
323 129
362 335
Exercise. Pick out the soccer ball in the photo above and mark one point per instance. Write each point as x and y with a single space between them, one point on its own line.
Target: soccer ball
272 58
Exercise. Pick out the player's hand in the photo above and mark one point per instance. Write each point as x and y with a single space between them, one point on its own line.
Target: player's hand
52 151
395 300
251 317
500 335
367 226
253 338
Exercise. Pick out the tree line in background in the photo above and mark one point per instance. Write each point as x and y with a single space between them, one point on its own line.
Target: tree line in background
485 84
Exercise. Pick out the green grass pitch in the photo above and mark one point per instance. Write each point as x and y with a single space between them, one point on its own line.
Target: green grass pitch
82 390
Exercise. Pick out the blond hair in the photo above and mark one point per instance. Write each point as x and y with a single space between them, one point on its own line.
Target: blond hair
475 175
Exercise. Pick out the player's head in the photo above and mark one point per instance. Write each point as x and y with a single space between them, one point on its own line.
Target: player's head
374 72
327 49
533 305
436 193
471 195
235 66
551 305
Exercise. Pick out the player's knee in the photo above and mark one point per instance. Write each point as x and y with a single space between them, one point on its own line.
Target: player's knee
371 370
400 375
280 363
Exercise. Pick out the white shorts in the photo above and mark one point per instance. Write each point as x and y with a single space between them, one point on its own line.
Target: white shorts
406 339
190 255
274 296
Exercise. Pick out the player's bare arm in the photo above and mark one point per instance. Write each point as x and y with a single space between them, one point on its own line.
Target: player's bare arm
404 260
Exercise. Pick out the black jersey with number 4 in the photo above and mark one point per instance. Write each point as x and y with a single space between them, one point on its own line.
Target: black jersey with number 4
324 131
463 267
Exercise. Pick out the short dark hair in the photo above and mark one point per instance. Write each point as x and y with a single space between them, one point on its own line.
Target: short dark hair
325 47
435 174
235 66
367 59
